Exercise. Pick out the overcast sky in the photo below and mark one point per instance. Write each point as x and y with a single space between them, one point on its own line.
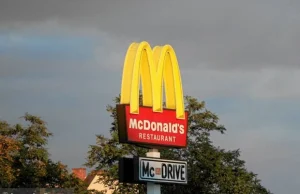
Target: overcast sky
62 60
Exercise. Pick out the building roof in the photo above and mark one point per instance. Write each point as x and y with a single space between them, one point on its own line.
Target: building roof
92 175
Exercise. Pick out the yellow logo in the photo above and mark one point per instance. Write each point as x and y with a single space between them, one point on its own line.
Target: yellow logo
156 68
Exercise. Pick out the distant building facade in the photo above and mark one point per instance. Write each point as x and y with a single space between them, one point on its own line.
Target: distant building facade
92 179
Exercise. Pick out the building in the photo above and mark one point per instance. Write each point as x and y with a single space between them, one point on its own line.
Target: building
91 179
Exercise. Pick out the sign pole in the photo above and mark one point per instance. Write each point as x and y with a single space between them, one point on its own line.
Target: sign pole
153 188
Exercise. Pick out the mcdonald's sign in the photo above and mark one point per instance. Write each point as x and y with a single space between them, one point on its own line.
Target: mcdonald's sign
152 124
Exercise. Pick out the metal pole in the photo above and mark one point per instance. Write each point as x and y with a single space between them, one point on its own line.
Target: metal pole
153 188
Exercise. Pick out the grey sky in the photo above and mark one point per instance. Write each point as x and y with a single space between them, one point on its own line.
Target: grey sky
222 34
62 60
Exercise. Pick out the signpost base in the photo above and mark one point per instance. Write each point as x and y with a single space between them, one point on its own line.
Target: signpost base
153 188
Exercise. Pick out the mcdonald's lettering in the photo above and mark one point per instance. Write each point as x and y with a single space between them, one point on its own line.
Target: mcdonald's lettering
152 123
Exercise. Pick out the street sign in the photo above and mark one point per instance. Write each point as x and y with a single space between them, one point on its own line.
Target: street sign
160 170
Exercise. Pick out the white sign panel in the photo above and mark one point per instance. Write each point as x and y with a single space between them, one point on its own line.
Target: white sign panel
164 171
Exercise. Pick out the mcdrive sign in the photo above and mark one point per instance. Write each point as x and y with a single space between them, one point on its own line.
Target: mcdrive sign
151 124
161 171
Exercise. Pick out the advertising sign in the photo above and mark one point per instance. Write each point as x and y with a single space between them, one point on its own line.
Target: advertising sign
152 124
161 171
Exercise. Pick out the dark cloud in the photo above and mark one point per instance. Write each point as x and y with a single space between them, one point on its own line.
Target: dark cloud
214 34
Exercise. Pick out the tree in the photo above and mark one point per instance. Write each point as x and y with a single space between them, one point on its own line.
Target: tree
8 149
25 162
211 170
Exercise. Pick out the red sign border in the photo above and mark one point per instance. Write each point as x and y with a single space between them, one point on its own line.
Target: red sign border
122 130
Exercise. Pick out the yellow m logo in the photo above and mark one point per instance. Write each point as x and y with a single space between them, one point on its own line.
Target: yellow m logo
155 68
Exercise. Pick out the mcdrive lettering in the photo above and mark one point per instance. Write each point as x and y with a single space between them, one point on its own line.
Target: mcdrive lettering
157 170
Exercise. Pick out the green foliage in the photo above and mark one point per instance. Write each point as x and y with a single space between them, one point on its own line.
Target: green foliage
25 162
8 149
211 170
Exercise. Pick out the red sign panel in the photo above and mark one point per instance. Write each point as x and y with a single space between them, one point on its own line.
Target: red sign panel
152 128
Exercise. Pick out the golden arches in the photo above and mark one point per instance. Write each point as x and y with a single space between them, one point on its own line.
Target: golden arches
153 67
